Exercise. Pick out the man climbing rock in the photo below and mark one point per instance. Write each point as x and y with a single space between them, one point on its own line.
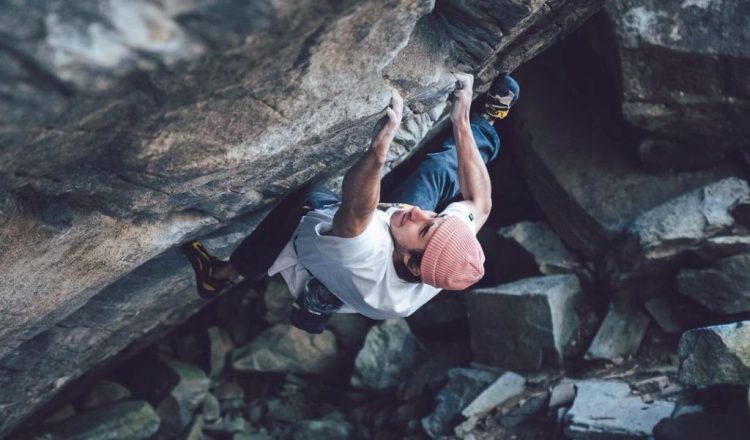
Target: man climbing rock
383 261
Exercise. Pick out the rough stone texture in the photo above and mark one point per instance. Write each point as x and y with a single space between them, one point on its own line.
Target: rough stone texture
176 410
220 345
505 387
543 245
286 349
573 161
525 324
607 410
620 334
278 301
723 287
684 67
660 309
125 164
129 420
463 386
698 223
433 372
389 355
715 355
103 393
324 429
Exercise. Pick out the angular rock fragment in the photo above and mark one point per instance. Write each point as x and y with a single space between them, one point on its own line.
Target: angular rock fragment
542 245
716 355
562 393
660 309
620 334
286 349
525 324
723 287
278 301
575 161
388 357
104 392
177 409
699 222
463 386
607 409
127 420
434 370
220 346
331 428
701 425
505 387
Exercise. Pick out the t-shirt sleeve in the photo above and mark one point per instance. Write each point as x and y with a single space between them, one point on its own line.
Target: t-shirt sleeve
462 211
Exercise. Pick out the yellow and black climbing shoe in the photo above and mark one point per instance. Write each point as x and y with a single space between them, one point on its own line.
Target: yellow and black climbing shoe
204 265
500 98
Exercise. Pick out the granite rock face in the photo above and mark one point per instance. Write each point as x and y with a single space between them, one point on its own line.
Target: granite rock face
716 355
166 121
682 69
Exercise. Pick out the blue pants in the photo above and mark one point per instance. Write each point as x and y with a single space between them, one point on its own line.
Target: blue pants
434 184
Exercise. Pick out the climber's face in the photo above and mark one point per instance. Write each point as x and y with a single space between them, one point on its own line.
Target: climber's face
413 228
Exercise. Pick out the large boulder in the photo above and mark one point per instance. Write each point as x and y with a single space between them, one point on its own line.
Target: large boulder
286 349
698 224
390 354
716 355
526 324
578 164
159 146
683 69
723 287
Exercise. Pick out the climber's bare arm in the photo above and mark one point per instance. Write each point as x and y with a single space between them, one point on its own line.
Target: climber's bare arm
361 187
473 178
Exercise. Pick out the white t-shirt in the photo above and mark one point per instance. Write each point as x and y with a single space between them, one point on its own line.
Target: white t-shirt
358 270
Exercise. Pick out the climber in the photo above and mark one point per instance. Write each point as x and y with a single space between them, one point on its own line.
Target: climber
354 255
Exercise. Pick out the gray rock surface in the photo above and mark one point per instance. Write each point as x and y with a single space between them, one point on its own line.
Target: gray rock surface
606 410
128 420
723 287
660 309
525 324
670 53
463 386
573 161
389 356
323 429
699 222
620 334
715 355
160 146
220 345
176 410
278 301
507 386
103 393
539 241
166 144
286 349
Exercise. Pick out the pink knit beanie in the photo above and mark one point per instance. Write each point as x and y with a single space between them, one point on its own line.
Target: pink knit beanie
453 258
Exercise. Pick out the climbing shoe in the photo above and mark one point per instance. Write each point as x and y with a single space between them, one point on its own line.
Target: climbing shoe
204 265
502 95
